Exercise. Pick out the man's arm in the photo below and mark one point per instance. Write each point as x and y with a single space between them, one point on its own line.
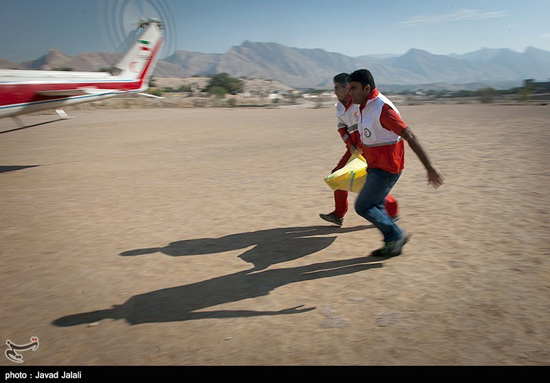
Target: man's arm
346 136
435 178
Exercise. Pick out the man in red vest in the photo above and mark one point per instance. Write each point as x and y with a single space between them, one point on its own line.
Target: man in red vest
383 133
348 117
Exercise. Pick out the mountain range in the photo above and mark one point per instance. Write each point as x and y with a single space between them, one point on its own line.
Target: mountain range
314 68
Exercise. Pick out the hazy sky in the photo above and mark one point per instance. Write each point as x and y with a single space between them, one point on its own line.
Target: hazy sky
353 27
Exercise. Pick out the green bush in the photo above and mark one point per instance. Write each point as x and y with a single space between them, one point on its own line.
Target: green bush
223 80
217 91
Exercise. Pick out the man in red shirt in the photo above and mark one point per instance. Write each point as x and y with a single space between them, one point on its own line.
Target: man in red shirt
382 134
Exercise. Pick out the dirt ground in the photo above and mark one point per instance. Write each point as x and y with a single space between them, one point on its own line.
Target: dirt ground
192 237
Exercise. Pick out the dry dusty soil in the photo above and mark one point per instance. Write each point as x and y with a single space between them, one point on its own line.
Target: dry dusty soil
192 237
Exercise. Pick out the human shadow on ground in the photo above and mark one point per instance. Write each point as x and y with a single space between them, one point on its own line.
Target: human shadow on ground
187 302
271 246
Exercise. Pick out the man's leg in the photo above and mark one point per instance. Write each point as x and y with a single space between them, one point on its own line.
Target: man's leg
340 197
370 203
392 207
341 204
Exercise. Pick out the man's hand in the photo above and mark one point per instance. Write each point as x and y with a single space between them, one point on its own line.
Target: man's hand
435 178
352 148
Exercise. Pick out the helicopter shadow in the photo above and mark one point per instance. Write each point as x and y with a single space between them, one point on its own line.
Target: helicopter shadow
13 168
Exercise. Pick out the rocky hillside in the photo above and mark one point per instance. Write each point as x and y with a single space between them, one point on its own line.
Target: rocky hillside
314 68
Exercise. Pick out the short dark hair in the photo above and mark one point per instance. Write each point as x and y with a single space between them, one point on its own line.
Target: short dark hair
341 79
363 76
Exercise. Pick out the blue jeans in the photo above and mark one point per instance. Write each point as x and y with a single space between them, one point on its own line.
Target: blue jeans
371 199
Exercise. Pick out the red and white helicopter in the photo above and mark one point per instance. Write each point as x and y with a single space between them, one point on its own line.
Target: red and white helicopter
27 91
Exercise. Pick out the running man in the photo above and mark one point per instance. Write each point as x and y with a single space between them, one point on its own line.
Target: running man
382 134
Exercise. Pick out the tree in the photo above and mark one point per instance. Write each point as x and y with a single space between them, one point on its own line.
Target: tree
525 93
223 80
487 95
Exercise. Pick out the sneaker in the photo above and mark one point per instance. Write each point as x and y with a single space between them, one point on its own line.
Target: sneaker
332 218
396 218
392 249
